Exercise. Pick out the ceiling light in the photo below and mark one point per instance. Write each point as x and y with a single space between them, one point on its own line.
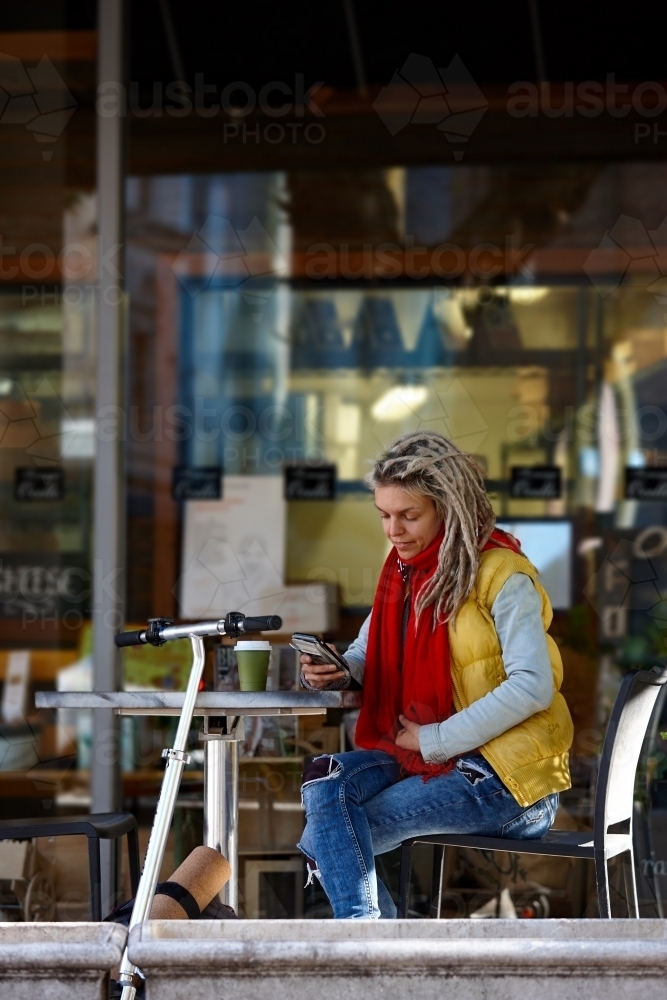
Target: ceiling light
398 403
527 295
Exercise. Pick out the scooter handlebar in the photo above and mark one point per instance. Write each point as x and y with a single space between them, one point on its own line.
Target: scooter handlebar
136 638
265 623
160 630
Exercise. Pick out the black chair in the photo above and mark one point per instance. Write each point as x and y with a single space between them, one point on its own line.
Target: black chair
96 827
612 825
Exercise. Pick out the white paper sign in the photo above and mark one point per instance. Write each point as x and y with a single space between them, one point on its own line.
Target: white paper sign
233 553
15 692
309 607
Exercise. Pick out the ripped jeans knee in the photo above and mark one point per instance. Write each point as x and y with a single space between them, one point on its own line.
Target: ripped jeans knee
312 870
325 766
318 773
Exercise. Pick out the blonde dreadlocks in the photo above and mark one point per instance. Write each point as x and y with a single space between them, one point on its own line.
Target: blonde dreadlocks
428 464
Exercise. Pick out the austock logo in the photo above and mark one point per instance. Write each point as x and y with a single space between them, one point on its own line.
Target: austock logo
629 579
246 259
37 98
421 94
629 254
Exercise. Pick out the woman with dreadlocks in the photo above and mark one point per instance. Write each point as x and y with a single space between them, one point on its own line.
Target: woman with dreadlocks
463 728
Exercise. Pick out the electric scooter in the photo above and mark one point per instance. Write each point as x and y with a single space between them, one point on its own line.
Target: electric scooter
159 631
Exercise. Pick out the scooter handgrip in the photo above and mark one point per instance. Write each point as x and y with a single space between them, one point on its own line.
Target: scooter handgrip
265 623
136 638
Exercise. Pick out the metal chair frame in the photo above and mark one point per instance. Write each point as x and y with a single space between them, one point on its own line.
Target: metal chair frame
96 827
614 802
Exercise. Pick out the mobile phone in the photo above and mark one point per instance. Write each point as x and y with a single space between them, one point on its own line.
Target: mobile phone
318 651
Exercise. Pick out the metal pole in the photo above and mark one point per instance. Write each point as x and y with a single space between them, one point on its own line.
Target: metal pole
108 515
538 49
176 760
582 335
355 47
221 804
172 41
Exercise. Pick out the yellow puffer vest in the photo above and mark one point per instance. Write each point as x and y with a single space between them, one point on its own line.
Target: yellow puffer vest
531 759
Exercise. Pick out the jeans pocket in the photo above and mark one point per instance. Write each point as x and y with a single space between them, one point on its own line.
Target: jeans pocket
533 822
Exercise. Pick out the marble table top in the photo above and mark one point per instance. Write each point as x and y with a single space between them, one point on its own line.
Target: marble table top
214 703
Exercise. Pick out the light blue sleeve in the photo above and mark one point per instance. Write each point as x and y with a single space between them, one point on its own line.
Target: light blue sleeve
355 655
529 688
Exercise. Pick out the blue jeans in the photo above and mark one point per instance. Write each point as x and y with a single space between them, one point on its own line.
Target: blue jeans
360 808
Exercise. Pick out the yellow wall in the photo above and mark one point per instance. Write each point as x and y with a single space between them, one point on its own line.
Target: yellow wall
338 542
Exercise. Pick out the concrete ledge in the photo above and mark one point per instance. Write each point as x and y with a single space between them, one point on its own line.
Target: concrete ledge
383 960
58 961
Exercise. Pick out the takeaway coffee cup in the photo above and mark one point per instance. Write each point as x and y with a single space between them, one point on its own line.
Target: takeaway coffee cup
253 658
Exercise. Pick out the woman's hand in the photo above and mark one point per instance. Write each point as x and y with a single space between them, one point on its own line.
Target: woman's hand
319 675
407 738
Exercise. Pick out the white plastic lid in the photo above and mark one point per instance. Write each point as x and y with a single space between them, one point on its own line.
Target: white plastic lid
252 644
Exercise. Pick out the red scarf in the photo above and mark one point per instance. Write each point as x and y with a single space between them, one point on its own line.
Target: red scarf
412 680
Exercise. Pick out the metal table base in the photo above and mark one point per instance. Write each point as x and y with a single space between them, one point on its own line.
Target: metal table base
221 804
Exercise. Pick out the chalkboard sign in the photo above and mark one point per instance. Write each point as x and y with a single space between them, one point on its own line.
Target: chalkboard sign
197 484
535 482
646 484
36 586
38 484
310 482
